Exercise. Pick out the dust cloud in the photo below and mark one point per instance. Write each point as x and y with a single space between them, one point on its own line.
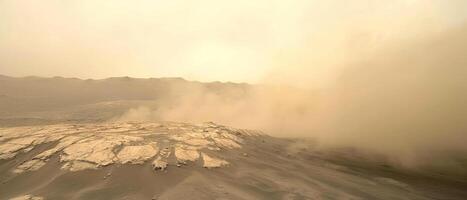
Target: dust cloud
404 99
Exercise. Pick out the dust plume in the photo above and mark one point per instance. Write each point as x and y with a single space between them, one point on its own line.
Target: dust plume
404 99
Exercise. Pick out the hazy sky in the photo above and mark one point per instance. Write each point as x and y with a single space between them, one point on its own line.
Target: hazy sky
242 40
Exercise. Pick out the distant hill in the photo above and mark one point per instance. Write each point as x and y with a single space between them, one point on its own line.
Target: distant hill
37 98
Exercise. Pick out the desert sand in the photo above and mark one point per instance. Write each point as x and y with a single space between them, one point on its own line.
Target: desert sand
169 160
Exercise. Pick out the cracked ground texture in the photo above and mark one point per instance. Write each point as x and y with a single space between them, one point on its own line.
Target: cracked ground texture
91 146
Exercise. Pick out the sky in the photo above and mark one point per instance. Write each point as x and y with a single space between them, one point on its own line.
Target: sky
301 42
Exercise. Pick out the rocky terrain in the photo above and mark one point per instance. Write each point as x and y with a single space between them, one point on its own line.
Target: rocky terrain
168 160
91 146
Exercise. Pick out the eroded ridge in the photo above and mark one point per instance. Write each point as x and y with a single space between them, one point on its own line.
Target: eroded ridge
91 146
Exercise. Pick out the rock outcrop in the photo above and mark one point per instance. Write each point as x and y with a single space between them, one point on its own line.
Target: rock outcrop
27 197
91 146
211 162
